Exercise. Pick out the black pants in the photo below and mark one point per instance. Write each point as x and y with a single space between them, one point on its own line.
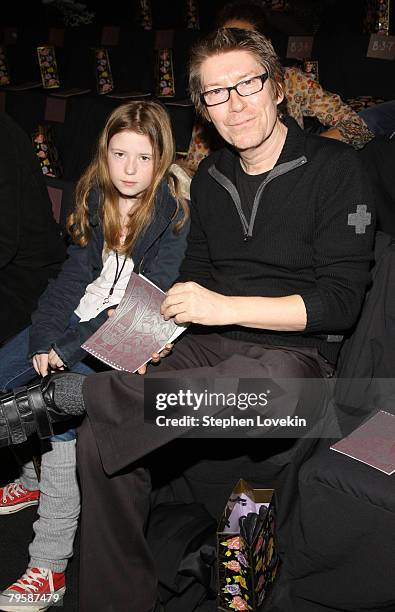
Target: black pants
117 569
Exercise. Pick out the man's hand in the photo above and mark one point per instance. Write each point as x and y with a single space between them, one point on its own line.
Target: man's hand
155 358
192 303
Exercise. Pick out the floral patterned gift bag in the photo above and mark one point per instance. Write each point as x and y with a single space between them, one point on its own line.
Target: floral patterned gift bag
164 73
104 80
246 549
377 16
48 67
146 14
192 15
46 151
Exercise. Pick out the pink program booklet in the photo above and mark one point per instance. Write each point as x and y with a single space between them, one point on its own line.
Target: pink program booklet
372 443
128 338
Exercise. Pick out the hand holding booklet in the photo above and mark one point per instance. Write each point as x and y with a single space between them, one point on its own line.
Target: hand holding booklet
128 338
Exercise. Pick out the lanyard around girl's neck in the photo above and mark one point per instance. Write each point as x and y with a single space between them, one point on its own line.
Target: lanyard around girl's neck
116 278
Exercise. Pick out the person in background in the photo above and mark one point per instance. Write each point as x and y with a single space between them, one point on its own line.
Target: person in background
131 213
303 96
32 249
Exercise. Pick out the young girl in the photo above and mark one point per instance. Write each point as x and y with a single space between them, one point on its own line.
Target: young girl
130 215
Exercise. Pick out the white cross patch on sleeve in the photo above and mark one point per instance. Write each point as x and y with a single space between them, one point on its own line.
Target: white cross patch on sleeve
360 219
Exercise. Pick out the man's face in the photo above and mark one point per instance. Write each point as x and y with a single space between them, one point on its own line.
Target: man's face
244 122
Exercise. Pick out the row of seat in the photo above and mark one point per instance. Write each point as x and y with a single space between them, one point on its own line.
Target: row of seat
133 60
343 68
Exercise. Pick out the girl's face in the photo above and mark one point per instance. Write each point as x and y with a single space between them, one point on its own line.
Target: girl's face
130 163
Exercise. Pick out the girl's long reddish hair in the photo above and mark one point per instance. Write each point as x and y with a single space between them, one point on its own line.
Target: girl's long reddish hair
147 118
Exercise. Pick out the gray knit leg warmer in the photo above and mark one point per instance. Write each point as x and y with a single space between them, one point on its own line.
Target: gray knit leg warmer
58 510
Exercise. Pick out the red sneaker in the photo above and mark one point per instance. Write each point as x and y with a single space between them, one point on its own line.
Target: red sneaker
14 497
37 590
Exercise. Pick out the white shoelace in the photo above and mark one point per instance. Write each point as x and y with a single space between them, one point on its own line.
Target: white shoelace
14 489
26 581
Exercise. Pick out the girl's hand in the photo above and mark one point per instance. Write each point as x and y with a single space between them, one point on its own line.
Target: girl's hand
156 357
40 363
54 361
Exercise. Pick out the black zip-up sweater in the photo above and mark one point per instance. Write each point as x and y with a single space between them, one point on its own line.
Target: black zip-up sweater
301 237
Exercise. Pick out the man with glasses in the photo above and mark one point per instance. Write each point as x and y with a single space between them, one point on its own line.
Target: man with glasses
282 226
275 271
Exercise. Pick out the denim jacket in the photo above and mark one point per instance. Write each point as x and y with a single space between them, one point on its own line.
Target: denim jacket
157 254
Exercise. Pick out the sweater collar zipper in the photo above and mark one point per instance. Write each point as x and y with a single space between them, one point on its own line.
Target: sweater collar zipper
234 194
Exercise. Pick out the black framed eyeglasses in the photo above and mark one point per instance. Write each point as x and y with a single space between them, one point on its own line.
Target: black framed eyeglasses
213 97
